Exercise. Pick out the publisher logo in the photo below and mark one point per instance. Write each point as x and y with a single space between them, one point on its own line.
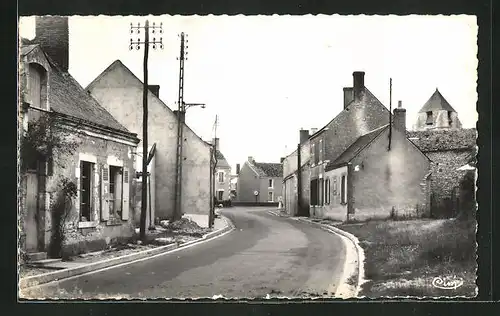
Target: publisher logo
447 282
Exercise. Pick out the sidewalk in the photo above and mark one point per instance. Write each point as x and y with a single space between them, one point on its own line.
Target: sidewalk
161 241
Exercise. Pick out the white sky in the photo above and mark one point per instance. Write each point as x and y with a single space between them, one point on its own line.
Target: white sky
268 76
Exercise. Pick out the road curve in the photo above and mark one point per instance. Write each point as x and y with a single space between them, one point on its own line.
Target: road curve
264 255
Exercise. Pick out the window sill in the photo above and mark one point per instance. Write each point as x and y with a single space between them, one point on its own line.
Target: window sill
87 224
114 221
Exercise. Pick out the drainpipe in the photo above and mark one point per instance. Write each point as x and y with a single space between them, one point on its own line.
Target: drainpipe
299 182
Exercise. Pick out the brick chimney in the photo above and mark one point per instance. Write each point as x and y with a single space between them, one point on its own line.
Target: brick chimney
313 130
215 142
399 118
155 89
359 85
237 169
250 159
348 96
52 33
304 135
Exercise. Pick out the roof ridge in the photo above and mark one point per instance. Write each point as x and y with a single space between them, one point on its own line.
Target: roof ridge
119 62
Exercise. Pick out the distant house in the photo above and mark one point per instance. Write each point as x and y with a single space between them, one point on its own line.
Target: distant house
121 93
102 166
234 184
296 174
437 113
222 175
260 182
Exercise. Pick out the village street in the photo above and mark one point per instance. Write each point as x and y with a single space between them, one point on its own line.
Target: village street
263 255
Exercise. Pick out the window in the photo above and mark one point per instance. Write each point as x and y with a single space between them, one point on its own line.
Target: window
313 148
115 190
270 196
343 190
334 185
37 86
429 118
220 195
221 176
450 118
320 150
86 192
321 192
314 192
271 183
316 154
327 191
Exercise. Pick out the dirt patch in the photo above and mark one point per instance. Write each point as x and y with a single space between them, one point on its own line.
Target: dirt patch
26 271
184 227
404 257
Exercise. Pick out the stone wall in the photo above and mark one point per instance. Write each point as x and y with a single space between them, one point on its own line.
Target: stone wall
97 233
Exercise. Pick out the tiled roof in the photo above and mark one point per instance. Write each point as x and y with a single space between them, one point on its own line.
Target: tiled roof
266 169
356 147
445 139
221 160
67 97
26 49
436 102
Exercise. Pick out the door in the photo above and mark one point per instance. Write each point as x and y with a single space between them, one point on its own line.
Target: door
32 207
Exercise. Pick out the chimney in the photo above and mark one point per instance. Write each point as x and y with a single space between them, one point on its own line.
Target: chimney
348 96
250 159
359 85
313 130
237 169
183 115
304 135
215 142
399 118
52 33
155 89
282 159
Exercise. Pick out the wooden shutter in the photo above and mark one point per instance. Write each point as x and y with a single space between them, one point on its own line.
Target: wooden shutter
105 193
126 193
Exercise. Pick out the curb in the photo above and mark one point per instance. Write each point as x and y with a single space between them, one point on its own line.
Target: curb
355 241
67 273
350 237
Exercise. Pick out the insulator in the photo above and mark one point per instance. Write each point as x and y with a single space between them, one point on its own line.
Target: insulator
154 46
138 31
131 47
153 24
161 31
161 46
153 31
137 47
131 31
131 24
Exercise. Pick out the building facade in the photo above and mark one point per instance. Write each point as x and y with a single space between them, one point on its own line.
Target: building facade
260 182
121 93
101 167
222 175
436 114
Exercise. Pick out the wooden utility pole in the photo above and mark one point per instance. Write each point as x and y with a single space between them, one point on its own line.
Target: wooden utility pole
390 112
144 174
211 215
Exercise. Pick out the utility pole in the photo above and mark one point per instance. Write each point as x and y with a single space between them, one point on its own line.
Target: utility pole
180 138
137 44
211 214
390 112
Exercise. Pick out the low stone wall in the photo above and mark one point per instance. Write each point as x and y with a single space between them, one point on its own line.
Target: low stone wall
270 204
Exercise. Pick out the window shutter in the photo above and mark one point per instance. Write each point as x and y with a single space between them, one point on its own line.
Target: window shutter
126 193
105 193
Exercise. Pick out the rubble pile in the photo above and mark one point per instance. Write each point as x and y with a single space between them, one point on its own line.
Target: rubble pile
184 226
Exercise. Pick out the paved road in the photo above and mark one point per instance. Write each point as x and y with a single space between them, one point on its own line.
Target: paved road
264 255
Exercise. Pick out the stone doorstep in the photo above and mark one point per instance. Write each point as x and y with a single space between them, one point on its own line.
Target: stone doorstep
77 269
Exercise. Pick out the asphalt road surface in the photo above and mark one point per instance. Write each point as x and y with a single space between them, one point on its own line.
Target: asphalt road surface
264 255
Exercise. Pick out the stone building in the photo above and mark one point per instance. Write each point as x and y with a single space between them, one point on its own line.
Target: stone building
439 134
121 93
260 182
101 167
437 113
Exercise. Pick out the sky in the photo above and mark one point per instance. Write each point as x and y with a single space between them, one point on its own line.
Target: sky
266 77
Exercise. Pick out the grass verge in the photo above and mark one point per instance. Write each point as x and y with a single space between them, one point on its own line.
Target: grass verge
403 257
